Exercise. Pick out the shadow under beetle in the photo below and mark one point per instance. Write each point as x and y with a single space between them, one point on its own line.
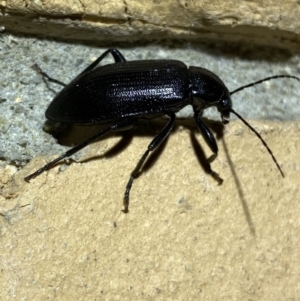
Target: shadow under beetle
120 94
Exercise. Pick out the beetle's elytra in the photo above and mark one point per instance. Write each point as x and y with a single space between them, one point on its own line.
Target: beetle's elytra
122 93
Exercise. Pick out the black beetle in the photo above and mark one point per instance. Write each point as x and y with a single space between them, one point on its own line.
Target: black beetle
122 93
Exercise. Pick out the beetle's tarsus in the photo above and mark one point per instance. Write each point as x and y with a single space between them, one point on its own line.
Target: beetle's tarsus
216 176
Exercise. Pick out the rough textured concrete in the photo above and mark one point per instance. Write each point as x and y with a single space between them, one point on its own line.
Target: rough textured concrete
63 236
266 22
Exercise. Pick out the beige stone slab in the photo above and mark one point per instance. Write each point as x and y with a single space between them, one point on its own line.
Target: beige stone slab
266 22
64 237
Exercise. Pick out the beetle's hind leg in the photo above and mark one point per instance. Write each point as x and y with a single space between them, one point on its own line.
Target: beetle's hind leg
125 125
165 132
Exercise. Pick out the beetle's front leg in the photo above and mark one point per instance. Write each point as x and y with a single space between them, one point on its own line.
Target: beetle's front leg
152 146
208 137
211 142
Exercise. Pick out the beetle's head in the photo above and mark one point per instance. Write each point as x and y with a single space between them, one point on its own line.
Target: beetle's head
208 90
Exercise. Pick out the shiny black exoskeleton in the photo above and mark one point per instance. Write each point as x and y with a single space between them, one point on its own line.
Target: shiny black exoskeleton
120 94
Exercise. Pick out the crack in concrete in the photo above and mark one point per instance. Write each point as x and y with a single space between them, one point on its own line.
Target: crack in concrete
83 6
183 5
126 13
3 10
25 3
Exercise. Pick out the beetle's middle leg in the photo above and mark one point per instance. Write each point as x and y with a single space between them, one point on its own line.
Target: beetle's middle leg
165 132
45 76
117 55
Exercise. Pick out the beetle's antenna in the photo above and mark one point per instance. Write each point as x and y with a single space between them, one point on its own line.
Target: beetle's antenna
248 125
260 138
263 80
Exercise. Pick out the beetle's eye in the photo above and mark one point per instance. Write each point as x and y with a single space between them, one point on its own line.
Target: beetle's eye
224 102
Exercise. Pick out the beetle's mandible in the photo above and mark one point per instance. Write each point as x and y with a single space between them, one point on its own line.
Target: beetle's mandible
122 93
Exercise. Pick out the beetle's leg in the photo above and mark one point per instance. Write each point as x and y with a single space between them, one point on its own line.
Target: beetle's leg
207 135
118 57
38 69
119 126
152 146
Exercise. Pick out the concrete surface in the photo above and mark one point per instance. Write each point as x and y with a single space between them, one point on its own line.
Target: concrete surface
259 22
64 237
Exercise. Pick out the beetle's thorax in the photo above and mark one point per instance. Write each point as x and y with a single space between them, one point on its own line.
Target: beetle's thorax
208 90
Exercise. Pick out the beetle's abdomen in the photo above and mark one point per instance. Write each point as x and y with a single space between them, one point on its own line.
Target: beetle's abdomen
141 89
